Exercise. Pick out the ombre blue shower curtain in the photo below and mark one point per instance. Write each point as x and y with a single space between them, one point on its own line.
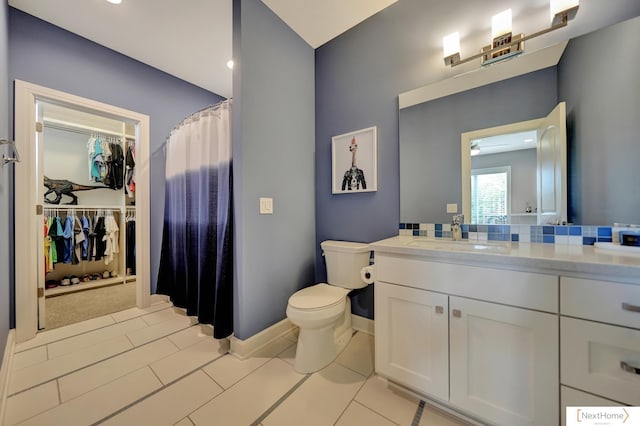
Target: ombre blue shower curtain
196 264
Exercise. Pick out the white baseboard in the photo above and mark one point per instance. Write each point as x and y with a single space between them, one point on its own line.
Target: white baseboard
363 324
243 349
7 362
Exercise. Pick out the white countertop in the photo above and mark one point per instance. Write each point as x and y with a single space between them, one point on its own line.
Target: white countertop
553 258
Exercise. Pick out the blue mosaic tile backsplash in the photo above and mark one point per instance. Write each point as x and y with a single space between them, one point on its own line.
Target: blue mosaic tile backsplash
546 234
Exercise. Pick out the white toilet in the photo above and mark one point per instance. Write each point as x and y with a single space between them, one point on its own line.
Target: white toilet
323 311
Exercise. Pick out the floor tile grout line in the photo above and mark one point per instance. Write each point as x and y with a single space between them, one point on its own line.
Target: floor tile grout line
280 400
160 389
418 415
374 411
209 375
89 331
189 420
353 399
370 408
102 360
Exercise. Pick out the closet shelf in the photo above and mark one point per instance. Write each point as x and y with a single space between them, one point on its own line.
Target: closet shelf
83 207
57 291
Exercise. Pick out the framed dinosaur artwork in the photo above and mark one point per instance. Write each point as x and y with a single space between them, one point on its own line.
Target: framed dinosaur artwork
354 162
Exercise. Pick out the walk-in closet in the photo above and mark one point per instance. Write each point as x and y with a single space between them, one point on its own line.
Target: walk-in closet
81 210
88 191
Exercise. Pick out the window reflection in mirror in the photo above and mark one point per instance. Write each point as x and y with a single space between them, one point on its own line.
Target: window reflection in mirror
503 179
534 190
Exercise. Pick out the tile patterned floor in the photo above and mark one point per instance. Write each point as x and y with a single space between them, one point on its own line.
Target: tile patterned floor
156 366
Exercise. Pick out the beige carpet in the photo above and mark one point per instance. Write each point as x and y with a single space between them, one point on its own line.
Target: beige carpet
75 307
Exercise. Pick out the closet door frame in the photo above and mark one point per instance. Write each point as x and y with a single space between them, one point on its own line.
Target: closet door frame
28 265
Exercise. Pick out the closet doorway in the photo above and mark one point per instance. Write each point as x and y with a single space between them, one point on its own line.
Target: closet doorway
84 180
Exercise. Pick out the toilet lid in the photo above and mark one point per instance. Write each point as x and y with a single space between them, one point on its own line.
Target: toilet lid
318 296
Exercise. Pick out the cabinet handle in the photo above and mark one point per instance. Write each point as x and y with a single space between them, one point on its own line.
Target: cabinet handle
629 368
630 307
439 310
457 313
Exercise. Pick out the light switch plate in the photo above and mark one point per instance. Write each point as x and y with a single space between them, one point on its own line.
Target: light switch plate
452 208
266 205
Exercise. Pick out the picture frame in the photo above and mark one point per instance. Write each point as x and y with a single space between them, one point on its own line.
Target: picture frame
354 162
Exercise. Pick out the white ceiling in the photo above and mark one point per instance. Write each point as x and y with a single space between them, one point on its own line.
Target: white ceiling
319 21
195 42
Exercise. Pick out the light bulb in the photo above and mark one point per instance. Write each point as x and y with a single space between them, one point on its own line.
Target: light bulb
501 23
451 44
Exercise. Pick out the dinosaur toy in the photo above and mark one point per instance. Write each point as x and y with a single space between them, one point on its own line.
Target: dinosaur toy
64 187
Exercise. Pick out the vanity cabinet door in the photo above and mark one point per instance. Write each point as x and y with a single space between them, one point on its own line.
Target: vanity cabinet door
504 362
412 344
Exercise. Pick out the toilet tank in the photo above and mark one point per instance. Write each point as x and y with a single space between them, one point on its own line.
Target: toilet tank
344 261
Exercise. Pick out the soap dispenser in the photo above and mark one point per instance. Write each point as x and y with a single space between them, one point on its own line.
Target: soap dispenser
456 229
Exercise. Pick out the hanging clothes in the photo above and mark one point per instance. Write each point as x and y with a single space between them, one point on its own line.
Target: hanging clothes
86 224
111 238
78 240
197 254
58 238
100 244
96 156
52 234
48 258
131 246
130 164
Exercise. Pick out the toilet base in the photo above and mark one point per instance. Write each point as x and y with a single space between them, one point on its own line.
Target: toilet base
318 347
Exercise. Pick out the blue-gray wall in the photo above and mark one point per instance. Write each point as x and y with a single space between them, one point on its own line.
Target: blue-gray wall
46 55
273 138
5 172
599 78
430 133
358 78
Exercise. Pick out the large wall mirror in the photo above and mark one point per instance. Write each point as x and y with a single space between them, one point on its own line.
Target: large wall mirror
601 136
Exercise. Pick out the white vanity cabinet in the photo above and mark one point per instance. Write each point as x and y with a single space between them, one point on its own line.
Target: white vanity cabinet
599 342
483 341
503 362
412 338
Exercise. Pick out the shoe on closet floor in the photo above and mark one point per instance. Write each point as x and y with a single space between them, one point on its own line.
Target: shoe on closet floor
86 278
65 281
75 279
105 274
51 284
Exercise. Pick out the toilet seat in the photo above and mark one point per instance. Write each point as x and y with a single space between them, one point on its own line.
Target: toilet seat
317 297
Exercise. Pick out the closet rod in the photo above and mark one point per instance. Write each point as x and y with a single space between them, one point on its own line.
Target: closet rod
76 207
83 130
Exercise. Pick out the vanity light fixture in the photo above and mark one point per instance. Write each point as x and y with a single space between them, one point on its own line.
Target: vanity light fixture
504 43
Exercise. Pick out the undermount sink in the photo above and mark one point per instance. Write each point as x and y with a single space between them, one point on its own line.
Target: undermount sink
465 245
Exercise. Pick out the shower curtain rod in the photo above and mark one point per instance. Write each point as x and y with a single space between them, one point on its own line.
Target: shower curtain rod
201 110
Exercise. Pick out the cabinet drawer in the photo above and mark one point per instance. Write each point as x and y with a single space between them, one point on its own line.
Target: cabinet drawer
603 301
591 357
523 289
574 398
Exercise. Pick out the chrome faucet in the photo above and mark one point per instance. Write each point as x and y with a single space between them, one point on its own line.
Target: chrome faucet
456 230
